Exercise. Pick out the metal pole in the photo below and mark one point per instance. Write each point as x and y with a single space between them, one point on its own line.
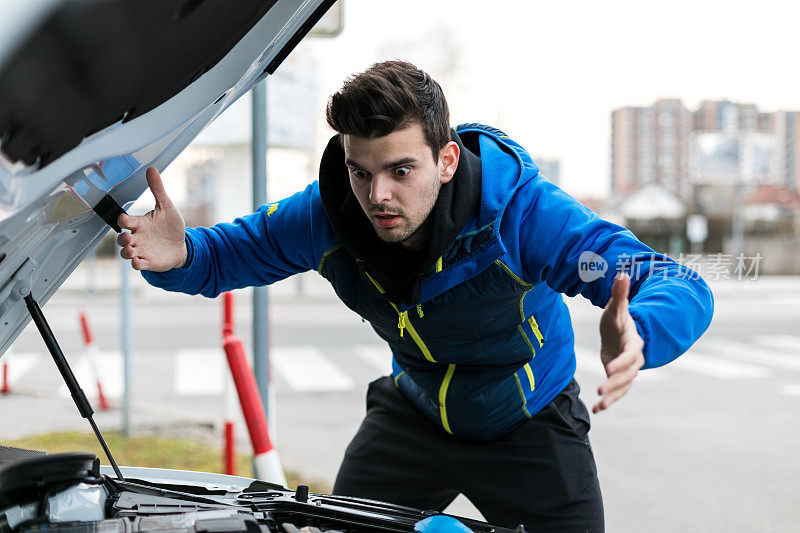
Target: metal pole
737 229
125 326
91 272
260 294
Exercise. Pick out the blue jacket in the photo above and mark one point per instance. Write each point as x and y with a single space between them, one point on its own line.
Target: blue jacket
489 341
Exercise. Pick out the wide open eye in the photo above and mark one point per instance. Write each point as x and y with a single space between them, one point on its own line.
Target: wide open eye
359 174
402 171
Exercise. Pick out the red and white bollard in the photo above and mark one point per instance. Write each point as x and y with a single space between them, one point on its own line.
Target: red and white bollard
91 352
266 461
229 434
6 387
229 454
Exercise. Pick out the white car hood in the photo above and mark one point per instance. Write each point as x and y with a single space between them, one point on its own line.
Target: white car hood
54 180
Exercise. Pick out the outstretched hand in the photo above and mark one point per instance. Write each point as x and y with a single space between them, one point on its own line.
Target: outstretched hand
621 347
156 239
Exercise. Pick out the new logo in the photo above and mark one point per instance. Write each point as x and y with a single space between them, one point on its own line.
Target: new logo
591 266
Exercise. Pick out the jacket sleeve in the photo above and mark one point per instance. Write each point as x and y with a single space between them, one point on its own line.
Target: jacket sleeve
575 251
278 240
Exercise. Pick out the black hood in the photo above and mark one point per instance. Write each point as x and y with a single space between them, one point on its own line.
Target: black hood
397 269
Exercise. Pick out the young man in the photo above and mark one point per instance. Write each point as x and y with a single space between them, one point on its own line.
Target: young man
455 249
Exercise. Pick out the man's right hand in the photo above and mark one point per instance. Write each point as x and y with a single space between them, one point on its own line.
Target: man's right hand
157 239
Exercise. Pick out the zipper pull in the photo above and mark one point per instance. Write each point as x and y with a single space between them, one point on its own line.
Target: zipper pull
536 330
419 311
401 322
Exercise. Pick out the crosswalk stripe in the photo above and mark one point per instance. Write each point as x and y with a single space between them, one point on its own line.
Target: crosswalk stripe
589 361
200 372
109 366
19 364
752 354
306 369
377 356
787 343
717 367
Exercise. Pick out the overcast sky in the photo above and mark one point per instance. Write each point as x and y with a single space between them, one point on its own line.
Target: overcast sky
549 73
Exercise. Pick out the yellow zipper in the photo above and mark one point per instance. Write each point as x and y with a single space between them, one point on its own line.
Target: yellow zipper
401 321
536 331
414 335
404 323
443 396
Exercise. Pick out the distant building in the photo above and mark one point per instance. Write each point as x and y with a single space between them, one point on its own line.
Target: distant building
770 209
787 133
771 216
734 164
730 117
733 144
655 214
721 143
649 145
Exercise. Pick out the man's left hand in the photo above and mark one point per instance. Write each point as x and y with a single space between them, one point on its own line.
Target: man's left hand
621 347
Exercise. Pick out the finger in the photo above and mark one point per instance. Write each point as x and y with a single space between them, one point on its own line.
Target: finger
609 399
624 360
126 221
157 187
616 386
125 239
126 252
140 264
623 377
619 292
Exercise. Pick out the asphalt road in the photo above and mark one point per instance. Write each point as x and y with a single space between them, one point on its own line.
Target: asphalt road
708 443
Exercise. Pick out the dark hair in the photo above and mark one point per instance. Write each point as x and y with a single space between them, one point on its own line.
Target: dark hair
387 97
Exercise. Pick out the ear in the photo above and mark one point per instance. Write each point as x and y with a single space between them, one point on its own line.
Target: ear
448 161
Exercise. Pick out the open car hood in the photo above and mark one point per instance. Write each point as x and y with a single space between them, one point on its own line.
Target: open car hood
92 92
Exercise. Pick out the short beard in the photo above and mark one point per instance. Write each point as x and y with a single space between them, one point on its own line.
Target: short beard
420 236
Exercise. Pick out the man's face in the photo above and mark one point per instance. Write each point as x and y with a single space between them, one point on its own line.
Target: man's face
396 181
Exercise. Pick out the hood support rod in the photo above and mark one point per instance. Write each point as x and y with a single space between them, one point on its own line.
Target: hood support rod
78 396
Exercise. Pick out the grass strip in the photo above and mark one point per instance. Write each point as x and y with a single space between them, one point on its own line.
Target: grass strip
152 451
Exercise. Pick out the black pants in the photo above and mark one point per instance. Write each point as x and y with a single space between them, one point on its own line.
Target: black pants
541 475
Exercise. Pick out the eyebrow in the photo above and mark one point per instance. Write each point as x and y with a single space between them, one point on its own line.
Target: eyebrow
396 163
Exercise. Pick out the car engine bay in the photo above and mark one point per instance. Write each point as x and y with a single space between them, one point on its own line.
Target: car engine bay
67 492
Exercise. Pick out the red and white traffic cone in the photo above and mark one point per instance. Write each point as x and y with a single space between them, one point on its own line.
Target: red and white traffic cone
266 461
91 352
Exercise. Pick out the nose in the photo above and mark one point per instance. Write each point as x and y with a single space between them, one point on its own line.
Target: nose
380 189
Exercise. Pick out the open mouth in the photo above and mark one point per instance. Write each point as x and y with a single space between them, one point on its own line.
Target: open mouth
387 221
